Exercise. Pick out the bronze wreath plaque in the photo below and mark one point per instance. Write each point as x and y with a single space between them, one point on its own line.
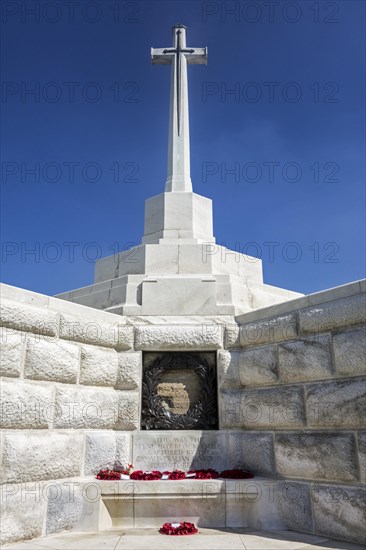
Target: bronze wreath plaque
179 391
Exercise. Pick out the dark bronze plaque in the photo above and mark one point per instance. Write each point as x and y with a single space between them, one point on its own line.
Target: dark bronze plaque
179 391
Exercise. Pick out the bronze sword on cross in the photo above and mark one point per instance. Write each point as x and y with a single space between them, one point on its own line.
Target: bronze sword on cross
179 56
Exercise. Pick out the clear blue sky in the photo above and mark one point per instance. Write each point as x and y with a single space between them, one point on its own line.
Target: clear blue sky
293 131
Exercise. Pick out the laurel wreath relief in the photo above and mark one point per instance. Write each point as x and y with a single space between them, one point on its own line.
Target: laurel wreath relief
201 415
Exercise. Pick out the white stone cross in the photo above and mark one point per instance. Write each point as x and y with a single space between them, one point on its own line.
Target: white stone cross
179 178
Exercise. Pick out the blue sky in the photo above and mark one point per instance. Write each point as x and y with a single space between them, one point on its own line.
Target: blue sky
277 134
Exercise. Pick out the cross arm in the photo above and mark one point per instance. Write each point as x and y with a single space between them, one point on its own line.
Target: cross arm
158 57
198 57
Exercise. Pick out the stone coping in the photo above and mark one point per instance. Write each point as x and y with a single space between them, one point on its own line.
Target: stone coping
317 298
160 487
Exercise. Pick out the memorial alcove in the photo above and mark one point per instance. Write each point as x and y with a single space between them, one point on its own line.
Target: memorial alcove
179 391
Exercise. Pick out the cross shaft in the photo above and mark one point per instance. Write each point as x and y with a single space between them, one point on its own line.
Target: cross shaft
179 56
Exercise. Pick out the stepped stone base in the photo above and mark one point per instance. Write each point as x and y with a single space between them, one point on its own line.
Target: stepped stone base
178 279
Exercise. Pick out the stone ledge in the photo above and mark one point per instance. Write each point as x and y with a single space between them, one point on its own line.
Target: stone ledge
27 318
322 297
333 315
263 331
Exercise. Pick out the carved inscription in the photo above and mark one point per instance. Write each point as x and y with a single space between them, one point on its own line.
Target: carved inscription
183 451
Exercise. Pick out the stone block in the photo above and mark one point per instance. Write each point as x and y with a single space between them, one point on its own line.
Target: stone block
231 339
337 404
55 360
207 511
100 451
269 408
30 319
304 360
128 410
98 366
11 356
361 444
207 336
129 371
265 331
294 504
78 407
252 503
29 456
227 369
95 332
123 450
258 366
22 511
340 512
230 409
350 352
64 506
187 295
326 456
251 451
333 315
26 405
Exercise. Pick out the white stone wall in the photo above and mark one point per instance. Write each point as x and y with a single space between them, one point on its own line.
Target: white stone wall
69 401
293 387
291 403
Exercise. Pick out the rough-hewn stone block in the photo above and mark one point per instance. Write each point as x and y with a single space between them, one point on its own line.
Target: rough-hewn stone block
350 352
123 450
98 366
258 366
340 512
30 319
252 451
230 409
316 456
179 337
64 506
129 371
26 405
22 510
333 315
80 329
264 331
273 408
31 456
252 367
294 504
11 356
304 360
78 407
55 360
232 339
227 369
128 410
361 444
100 451
337 404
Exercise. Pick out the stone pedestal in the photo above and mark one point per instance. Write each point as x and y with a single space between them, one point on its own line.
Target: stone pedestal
216 503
